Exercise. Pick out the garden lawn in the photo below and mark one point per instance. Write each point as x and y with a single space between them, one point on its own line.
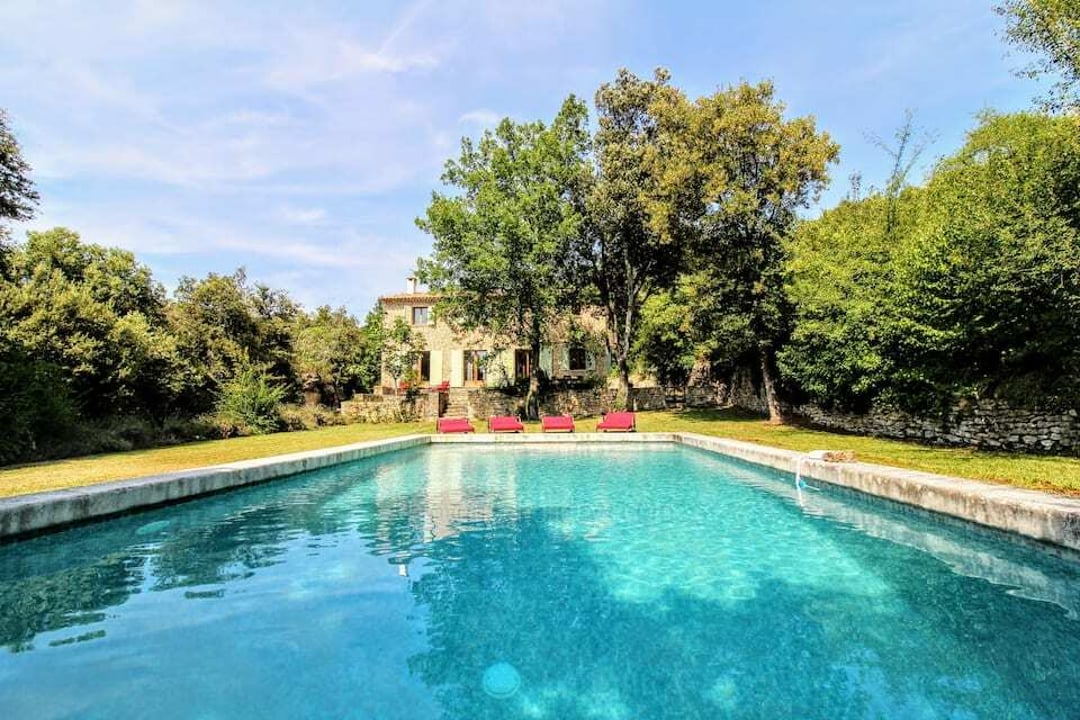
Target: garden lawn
1050 473
92 469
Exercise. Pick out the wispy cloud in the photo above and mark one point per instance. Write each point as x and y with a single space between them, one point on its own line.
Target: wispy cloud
302 140
303 216
481 117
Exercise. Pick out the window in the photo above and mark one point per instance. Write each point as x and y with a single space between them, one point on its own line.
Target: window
421 316
423 367
475 361
522 364
579 359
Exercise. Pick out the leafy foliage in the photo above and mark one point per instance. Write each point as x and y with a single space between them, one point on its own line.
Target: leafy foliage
629 249
33 402
500 245
249 404
1051 30
96 315
736 173
400 351
18 198
334 352
976 292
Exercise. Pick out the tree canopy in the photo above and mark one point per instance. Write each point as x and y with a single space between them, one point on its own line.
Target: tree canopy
629 248
1051 30
976 293
500 242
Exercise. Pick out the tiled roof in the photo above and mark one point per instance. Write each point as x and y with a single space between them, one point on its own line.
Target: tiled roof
401 297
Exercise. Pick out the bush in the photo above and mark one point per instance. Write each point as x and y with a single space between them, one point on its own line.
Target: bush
180 429
307 417
35 406
968 287
249 404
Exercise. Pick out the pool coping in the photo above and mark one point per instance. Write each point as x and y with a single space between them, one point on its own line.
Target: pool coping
1040 516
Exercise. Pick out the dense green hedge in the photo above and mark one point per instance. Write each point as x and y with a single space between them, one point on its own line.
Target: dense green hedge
967 286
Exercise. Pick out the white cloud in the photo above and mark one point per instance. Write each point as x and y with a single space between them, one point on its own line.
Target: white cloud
303 216
202 135
481 117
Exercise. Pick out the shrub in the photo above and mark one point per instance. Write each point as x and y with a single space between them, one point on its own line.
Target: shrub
249 404
35 406
307 417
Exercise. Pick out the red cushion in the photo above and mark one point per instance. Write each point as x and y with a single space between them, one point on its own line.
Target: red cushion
557 422
505 423
454 425
617 421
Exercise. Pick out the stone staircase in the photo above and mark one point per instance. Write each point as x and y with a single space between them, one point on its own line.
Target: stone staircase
458 403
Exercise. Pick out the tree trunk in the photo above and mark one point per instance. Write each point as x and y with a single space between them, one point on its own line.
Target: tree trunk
768 379
532 398
622 390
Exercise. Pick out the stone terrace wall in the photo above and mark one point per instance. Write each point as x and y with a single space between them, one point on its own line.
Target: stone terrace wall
484 402
387 408
579 403
988 424
983 424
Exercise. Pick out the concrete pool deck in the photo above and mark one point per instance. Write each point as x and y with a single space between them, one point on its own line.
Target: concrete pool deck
1040 516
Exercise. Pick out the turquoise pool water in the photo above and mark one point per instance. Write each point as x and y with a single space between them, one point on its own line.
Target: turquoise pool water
558 582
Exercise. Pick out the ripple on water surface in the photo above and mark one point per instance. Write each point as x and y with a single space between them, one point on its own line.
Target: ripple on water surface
554 582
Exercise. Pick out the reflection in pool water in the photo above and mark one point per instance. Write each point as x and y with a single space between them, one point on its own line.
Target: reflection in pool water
566 582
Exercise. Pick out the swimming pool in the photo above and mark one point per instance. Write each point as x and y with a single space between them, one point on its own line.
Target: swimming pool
576 581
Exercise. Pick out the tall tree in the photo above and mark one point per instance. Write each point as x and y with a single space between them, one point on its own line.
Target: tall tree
748 170
368 360
400 351
217 330
330 346
501 242
975 293
1051 30
627 250
18 198
97 315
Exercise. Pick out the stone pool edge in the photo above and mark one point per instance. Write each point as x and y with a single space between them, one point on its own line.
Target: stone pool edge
1030 513
1033 514
37 512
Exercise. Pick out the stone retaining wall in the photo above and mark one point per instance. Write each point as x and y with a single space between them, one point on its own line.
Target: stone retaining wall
988 424
984 424
387 408
485 402
588 402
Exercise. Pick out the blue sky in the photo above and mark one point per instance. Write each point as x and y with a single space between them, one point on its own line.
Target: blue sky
301 142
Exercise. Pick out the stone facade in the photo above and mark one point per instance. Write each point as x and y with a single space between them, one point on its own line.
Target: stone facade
450 355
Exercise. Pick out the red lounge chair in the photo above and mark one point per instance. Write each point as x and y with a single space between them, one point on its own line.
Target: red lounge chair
619 421
454 425
505 423
557 423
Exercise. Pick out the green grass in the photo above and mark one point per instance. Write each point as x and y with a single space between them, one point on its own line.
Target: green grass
75 472
1054 474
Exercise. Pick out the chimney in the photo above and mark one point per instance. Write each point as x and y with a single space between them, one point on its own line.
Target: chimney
410 285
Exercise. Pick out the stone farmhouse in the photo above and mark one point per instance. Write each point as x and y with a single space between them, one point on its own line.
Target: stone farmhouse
472 360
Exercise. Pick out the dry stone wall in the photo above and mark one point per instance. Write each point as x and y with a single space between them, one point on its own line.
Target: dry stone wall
984 424
387 408
485 402
988 424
